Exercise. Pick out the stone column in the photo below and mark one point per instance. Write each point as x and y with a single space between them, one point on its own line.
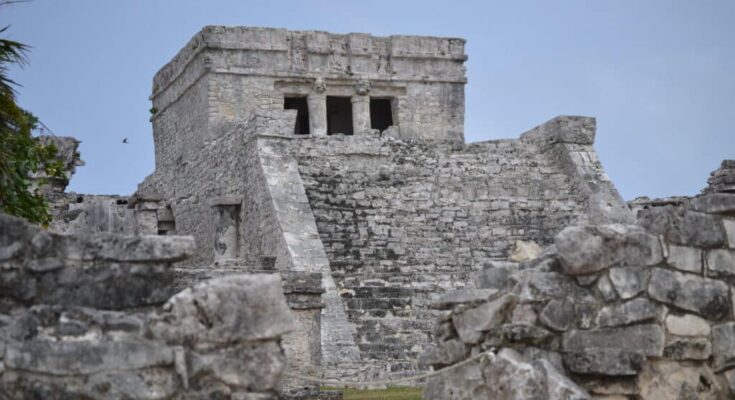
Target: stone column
226 228
146 220
361 108
317 102
360 114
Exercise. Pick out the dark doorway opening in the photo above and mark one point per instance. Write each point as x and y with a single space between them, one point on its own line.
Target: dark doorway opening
302 113
339 115
381 114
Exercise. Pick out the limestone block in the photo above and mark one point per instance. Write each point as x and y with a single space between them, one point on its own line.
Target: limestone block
683 258
446 353
730 230
558 315
524 333
687 325
671 380
587 249
225 310
452 298
706 297
647 340
601 361
723 346
605 287
683 227
85 357
715 203
472 323
19 285
539 286
628 281
523 314
687 348
721 262
524 251
506 375
253 366
495 276
107 286
111 247
564 129
636 310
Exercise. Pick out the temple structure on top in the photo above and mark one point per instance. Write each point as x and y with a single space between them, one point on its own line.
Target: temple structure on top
350 84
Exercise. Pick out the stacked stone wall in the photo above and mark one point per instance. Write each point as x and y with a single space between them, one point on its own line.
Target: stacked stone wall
98 317
401 221
611 312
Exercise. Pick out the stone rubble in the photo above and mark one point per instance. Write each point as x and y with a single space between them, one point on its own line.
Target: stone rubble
657 324
98 317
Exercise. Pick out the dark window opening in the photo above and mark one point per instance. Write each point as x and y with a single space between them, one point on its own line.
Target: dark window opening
302 113
381 114
339 115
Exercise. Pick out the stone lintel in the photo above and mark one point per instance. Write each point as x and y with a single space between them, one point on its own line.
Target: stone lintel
226 201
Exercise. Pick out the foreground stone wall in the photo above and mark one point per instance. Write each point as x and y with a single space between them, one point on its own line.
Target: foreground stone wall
92 317
624 311
401 221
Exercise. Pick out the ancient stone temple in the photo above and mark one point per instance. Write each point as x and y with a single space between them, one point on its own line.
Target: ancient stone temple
316 214
342 158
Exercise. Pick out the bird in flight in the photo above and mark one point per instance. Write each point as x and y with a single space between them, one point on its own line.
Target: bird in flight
125 140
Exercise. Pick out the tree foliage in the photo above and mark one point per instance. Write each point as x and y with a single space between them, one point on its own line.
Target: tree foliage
21 154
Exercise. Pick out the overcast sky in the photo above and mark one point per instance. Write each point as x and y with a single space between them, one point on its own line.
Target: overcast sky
658 75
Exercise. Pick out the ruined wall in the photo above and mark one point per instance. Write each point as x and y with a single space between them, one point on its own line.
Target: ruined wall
401 221
89 316
625 311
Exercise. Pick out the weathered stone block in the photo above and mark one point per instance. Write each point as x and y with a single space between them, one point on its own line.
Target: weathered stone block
446 353
110 247
602 361
647 340
109 286
588 249
683 227
721 262
472 323
723 346
605 287
85 357
496 276
729 225
671 380
450 299
522 333
540 286
715 203
636 310
687 325
564 129
706 297
628 281
558 315
225 310
688 348
254 366
683 258
506 375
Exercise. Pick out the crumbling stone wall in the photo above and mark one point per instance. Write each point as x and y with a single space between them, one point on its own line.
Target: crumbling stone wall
93 317
401 221
624 311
